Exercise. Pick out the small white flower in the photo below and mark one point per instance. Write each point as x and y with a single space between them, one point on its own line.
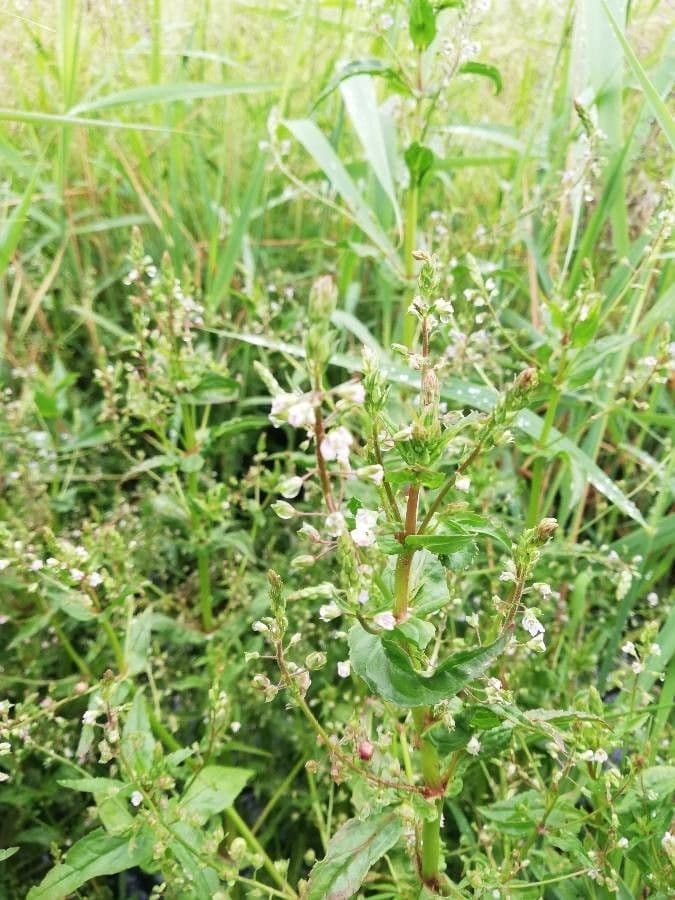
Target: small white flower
353 391
587 756
76 574
336 444
509 573
36 565
531 623
4 563
4 777
95 579
473 620
373 473
290 487
89 718
652 598
260 627
364 533
329 611
385 620
5 748
622 843
344 668
136 798
335 524
629 649
363 596
310 532
473 747
600 756
291 408
544 589
668 844
637 667
463 483
283 510
52 563
537 644
235 727
654 650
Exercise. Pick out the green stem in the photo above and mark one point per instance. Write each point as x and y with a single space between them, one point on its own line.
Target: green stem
205 599
404 561
409 240
431 828
72 652
255 845
539 463
116 646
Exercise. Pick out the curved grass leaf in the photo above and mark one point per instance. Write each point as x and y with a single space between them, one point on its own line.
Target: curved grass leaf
323 154
351 853
170 93
358 94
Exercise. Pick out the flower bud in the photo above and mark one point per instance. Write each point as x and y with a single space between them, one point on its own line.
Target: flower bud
322 299
366 750
315 660
545 529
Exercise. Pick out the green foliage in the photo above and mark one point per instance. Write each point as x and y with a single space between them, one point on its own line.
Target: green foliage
409 633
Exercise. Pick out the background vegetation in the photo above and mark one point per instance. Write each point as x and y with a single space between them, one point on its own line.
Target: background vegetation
176 176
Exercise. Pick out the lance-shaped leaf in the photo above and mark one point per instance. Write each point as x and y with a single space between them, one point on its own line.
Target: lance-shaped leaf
351 853
388 670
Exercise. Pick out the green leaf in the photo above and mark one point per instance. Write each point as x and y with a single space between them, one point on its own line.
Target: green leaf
170 93
138 742
419 160
102 786
213 789
358 95
484 69
351 853
356 67
138 642
656 104
95 855
653 785
421 23
388 671
318 147
438 543
213 388
6 852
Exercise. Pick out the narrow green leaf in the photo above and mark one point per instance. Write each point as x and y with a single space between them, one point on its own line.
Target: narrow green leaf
170 93
658 107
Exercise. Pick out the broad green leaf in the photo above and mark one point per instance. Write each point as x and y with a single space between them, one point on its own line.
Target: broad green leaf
318 147
238 426
522 813
419 160
95 855
486 70
351 853
388 671
358 95
212 790
6 852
